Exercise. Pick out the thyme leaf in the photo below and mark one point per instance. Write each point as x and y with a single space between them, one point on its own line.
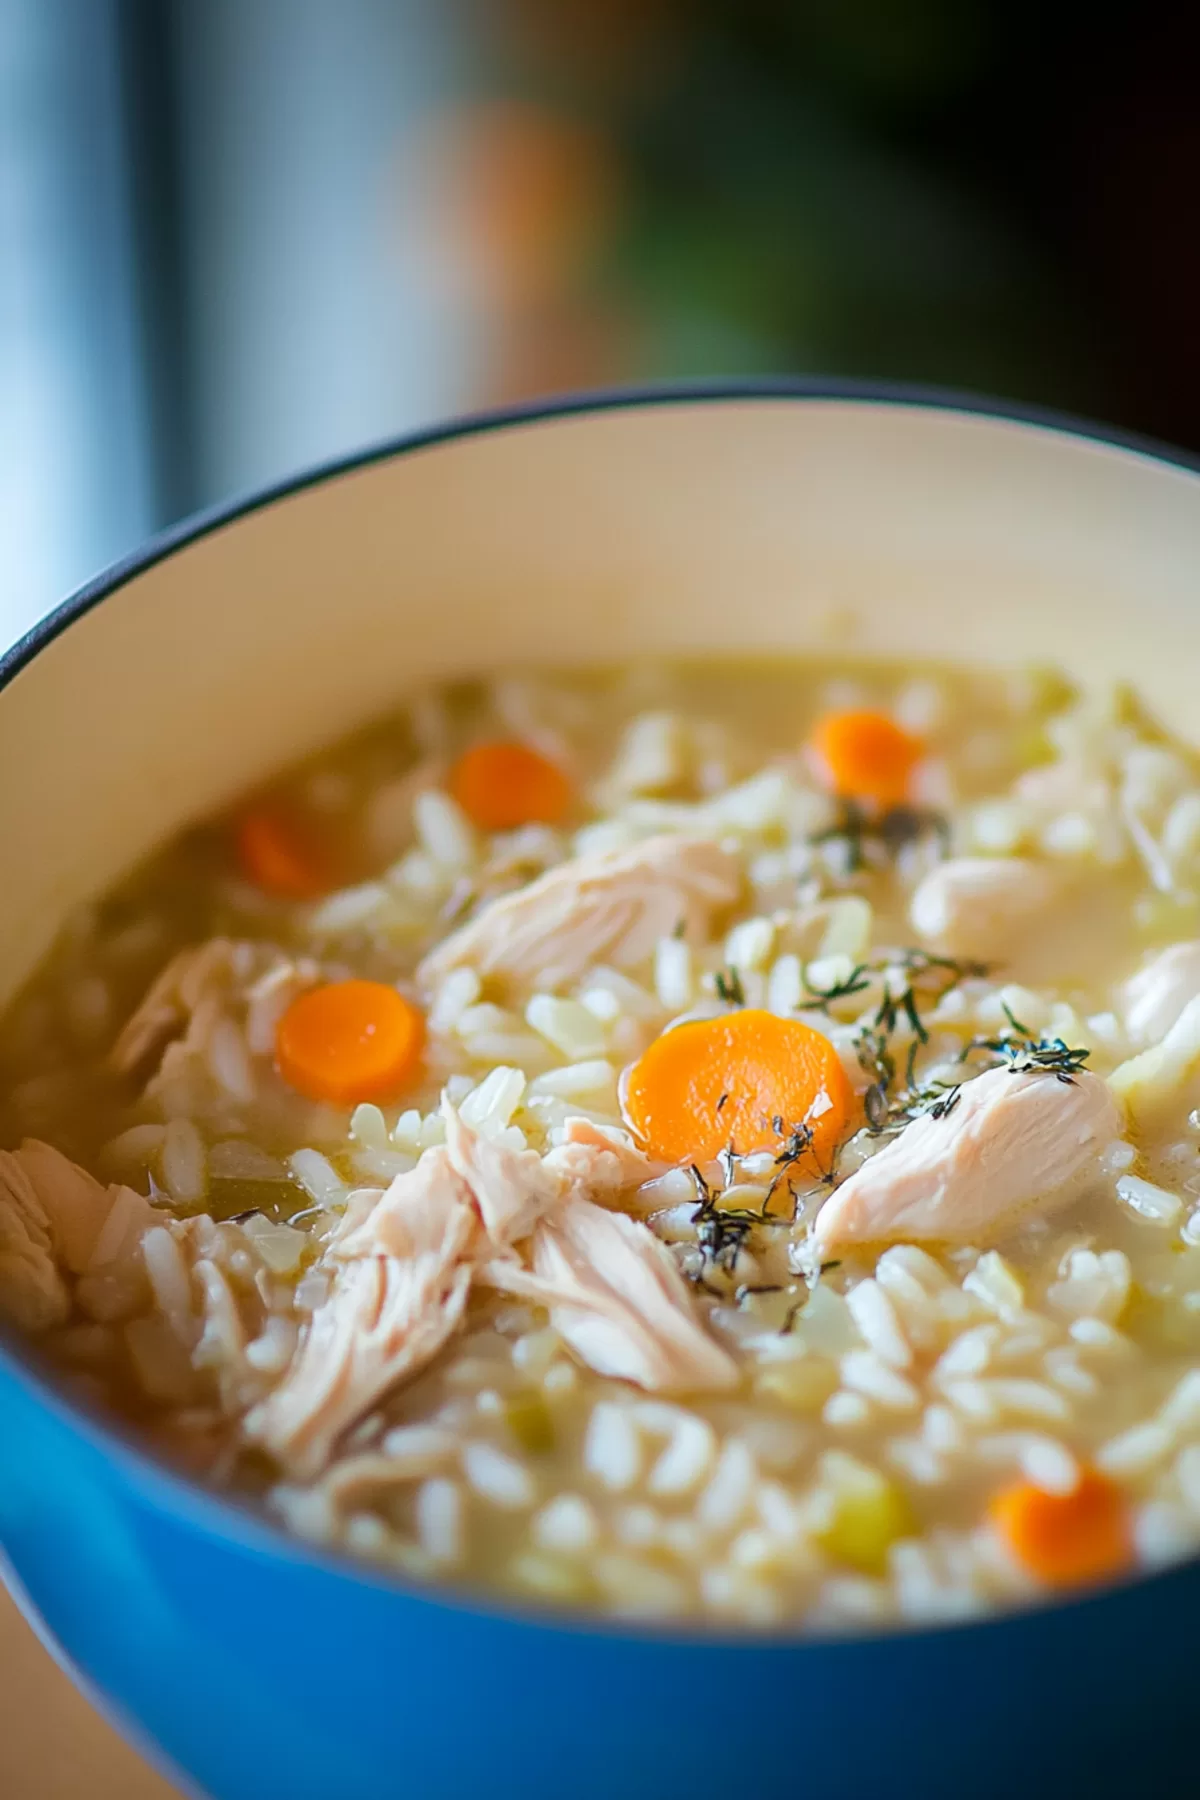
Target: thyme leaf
819 999
796 1141
887 833
875 1105
1027 1055
729 987
875 1057
924 981
722 1231
913 980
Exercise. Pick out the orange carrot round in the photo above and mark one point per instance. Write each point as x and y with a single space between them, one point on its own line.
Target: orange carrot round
746 1078
350 1041
504 784
281 856
1066 1540
865 755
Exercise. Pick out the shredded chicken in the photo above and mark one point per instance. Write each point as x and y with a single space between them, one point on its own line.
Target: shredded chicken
169 1003
1011 1141
270 996
598 1163
405 1259
33 1294
74 1202
1155 997
386 1318
618 1299
511 1188
184 1006
979 905
612 905
399 1220
420 1240
56 1219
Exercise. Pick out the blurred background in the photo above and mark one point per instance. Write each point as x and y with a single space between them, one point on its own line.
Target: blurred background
240 235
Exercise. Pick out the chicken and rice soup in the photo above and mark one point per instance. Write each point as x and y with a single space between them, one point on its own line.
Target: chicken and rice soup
705 1142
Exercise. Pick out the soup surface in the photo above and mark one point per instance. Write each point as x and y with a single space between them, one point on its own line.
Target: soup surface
698 1141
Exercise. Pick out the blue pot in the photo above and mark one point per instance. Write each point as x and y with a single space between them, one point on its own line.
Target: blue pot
257 1667
261 1669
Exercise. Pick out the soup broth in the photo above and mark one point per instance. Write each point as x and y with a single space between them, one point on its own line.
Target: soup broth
706 1141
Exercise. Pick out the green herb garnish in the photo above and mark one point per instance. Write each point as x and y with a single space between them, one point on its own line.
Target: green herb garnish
729 987
887 833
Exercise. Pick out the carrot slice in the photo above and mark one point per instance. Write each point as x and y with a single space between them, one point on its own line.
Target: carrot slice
350 1041
865 755
1066 1539
280 856
505 784
748 1078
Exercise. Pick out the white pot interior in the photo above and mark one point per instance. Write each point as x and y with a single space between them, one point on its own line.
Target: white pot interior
699 526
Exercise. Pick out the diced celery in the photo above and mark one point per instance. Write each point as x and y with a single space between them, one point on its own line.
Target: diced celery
528 1418
869 1515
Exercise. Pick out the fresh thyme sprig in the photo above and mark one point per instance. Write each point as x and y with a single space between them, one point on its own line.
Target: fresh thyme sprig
1016 1049
797 1140
933 1099
722 1231
875 1059
819 999
1024 1054
925 981
728 983
887 832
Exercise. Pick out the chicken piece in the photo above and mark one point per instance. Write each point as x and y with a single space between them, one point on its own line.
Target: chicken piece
74 1202
616 1296
385 1319
270 996
979 905
221 1345
33 1295
1155 997
169 1003
128 1215
406 1259
1012 1141
598 1165
82 1226
361 1203
1151 1080
399 1220
613 906
511 1188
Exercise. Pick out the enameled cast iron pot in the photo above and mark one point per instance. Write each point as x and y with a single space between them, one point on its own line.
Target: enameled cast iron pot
718 522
